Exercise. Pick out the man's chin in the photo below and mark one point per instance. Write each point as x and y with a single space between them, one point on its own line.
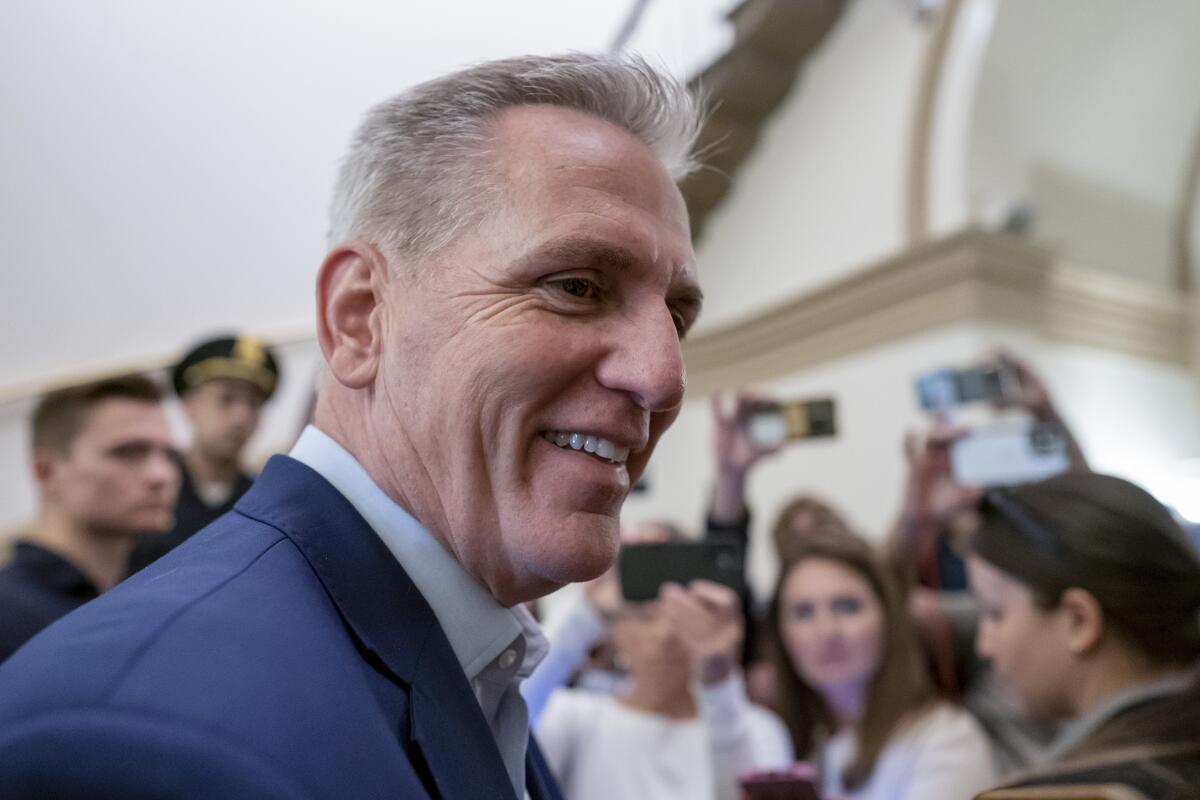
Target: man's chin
156 523
582 549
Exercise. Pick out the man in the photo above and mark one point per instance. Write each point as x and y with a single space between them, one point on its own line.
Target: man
500 312
222 385
105 470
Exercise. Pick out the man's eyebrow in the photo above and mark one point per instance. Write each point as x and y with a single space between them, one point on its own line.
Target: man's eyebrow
583 252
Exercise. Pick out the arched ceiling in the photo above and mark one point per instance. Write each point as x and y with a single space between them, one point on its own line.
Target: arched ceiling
1090 113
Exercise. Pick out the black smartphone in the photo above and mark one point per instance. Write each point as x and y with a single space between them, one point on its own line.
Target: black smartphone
644 568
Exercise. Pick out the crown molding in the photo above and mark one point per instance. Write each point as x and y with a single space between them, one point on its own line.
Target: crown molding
969 277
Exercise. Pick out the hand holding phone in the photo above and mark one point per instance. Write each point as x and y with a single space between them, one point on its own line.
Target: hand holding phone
797 782
707 618
736 451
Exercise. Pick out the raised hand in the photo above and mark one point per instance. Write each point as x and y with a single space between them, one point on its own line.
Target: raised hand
707 618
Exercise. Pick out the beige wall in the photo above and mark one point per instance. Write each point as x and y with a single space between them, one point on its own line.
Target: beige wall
824 190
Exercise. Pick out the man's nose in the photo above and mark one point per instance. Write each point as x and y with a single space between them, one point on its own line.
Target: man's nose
162 469
244 414
646 361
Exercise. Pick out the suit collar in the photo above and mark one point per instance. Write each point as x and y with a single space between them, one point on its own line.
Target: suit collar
374 595
538 776
478 627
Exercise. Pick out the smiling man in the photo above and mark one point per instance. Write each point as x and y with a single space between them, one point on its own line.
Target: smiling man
501 309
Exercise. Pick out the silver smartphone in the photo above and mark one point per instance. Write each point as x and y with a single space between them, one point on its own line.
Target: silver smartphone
1007 456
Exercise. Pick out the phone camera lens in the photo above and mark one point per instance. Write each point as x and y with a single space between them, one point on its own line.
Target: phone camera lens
1042 441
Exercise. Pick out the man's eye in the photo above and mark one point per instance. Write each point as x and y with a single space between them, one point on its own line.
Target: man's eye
130 452
582 288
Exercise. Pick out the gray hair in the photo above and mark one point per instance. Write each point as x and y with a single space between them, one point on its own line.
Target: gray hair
411 180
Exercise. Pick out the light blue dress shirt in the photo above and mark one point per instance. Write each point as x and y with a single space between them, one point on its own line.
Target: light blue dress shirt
497 647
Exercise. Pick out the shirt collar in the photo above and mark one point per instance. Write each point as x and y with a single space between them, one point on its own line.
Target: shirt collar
1076 731
478 628
53 569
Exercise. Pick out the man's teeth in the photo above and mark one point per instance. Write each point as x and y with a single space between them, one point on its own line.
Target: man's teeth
588 444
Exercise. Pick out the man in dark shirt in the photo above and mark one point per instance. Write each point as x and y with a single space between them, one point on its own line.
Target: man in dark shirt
105 469
222 385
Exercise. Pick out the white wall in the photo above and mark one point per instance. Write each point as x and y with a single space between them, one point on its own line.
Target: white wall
823 192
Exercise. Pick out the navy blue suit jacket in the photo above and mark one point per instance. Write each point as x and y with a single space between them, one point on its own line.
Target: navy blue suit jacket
282 652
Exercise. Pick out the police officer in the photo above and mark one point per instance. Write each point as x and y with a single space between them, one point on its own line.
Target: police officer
222 385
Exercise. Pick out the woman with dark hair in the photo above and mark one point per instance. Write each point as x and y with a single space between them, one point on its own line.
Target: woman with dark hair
852 687
1091 612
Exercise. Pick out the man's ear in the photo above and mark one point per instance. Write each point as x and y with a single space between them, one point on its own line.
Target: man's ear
1084 619
350 296
44 463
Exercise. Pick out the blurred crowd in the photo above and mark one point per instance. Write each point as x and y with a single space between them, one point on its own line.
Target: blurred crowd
1024 633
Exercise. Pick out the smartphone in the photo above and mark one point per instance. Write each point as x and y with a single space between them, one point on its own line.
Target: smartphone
1007 456
772 424
644 568
945 388
797 782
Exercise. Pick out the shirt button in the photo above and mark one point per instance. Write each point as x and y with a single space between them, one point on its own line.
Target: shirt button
507 659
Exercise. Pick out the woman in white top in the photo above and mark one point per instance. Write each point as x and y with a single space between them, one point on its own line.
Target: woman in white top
852 688
684 728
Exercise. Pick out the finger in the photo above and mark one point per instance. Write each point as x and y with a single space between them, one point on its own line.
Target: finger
748 403
670 593
714 595
763 450
943 433
681 607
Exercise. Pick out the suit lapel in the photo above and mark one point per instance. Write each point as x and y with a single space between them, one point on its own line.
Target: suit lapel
451 732
537 774
390 618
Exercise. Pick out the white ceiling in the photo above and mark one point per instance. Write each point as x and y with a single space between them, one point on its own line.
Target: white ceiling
1091 110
